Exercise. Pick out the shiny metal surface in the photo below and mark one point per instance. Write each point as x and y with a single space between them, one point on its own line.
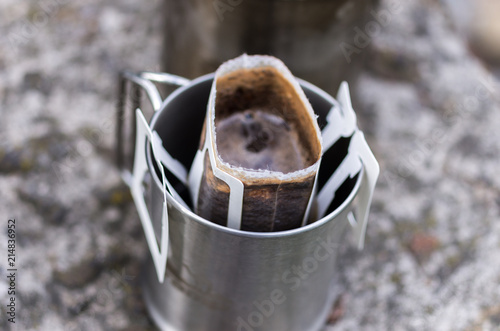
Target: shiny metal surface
218 278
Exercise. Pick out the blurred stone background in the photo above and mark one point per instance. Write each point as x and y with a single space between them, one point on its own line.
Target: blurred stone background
428 103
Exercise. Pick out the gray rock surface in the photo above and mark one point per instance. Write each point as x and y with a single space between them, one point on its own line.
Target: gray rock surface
433 241
79 242
429 108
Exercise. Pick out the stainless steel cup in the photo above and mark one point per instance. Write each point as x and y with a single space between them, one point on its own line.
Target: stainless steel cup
219 278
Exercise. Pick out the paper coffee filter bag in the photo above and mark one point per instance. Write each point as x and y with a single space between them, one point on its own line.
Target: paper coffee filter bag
260 148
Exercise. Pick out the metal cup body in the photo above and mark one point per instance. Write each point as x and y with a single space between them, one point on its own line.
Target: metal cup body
219 278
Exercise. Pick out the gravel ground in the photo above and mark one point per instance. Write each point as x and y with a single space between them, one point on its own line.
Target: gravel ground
428 106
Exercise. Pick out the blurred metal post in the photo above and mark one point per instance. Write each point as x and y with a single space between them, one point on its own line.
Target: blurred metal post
305 34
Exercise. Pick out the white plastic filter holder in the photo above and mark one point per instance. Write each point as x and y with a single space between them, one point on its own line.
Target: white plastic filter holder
341 122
